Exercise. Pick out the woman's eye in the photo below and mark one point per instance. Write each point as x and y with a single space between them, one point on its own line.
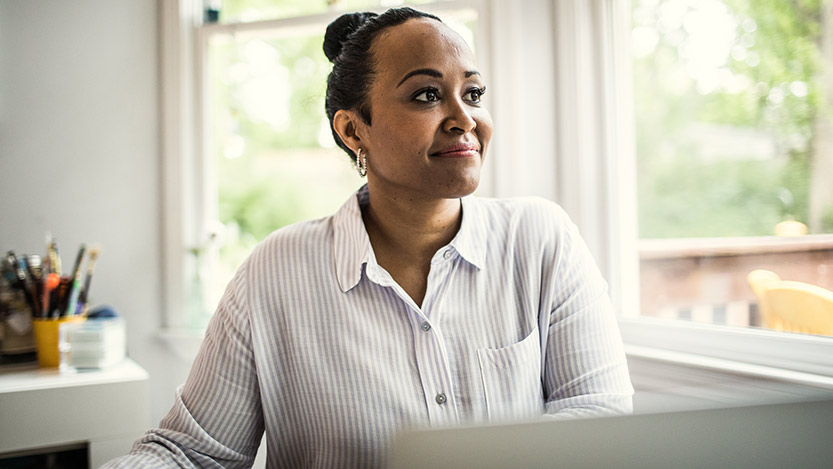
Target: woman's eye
427 95
475 94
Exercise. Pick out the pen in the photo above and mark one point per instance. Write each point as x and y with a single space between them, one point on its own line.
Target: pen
20 281
31 280
75 283
60 296
35 269
50 283
54 258
85 292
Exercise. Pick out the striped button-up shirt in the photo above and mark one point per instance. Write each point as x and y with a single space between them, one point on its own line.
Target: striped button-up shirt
317 345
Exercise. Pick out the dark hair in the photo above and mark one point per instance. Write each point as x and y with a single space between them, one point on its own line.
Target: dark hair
347 45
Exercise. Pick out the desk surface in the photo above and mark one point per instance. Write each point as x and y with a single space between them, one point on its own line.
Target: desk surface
33 379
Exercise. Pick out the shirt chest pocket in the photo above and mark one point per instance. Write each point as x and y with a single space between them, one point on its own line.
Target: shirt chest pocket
512 379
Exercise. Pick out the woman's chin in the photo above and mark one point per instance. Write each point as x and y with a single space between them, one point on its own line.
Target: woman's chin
464 185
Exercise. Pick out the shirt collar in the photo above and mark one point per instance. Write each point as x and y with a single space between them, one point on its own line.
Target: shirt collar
351 245
470 241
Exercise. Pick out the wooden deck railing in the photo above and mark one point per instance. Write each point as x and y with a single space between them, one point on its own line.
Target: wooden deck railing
704 279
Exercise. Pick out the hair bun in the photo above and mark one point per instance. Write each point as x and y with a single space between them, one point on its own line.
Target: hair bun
339 30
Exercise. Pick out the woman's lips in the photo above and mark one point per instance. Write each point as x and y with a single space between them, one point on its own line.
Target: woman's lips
458 150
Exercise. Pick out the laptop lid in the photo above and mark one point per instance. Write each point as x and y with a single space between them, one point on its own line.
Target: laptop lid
797 434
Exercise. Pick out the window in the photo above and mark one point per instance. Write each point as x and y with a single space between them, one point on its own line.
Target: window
732 105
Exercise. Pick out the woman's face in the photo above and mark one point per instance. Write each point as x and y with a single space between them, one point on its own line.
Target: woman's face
429 130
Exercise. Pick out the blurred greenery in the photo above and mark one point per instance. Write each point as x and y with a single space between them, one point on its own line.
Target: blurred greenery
723 198
302 59
726 154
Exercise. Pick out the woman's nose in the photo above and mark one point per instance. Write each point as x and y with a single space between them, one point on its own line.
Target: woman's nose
459 118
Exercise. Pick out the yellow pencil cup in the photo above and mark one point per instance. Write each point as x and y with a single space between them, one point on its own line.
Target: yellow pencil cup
47 339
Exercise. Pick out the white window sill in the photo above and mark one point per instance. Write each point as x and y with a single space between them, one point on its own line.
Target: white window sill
791 357
728 366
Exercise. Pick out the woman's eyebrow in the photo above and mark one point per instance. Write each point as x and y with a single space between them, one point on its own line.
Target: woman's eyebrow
431 73
420 71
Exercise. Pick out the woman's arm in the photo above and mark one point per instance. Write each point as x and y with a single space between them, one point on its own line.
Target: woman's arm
216 419
586 370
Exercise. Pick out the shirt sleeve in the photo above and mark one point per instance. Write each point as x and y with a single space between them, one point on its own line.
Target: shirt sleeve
216 419
585 368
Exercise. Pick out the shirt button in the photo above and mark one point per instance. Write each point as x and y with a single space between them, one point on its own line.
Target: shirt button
447 254
440 398
425 326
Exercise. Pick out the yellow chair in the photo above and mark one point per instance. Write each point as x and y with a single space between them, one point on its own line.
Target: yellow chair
792 306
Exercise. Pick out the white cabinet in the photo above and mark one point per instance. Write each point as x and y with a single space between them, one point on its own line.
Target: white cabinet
105 409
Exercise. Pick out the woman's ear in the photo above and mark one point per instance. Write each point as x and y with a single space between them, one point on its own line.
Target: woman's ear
347 125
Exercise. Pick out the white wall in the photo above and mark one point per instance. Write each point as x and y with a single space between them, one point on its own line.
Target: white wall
79 154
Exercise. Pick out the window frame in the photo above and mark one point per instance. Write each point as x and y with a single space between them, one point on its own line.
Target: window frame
588 83
797 358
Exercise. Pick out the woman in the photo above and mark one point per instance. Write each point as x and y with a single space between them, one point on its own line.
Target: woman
414 305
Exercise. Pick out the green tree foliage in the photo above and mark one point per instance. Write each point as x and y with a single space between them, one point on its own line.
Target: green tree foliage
724 132
250 195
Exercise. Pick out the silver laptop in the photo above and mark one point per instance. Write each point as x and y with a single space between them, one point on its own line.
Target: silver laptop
784 435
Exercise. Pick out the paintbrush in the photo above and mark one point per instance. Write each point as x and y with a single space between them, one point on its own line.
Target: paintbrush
85 292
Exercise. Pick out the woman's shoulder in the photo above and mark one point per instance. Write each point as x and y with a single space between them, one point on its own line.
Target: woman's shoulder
524 210
533 226
295 238
535 220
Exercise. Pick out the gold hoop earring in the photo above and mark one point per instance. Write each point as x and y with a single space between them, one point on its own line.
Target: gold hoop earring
361 163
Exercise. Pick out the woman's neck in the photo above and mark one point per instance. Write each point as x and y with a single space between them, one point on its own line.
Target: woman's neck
405 232
415 228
